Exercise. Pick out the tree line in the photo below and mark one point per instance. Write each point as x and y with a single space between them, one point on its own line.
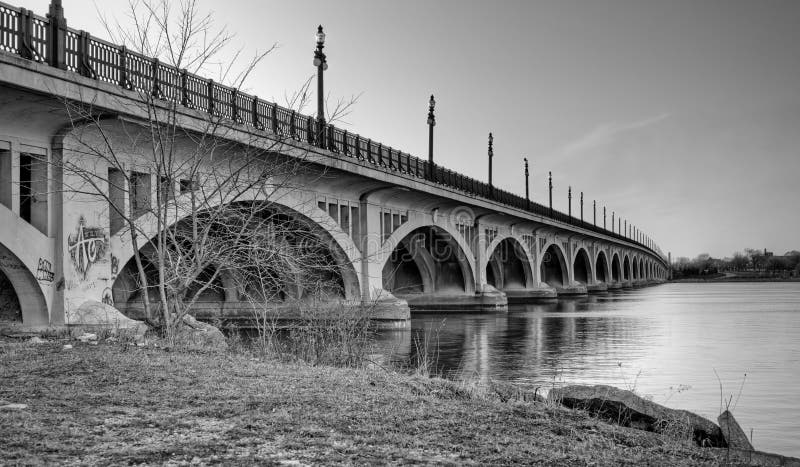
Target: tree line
750 261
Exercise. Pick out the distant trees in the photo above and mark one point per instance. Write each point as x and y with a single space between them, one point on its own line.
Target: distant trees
751 261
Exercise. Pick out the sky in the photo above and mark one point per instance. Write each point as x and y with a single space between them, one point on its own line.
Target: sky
682 116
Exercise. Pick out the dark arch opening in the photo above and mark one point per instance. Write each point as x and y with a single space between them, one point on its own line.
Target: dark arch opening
616 269
296 260
10 309
635 269
554 267
506 266
427 260
21 293
626 269
600 267
401 274
582 267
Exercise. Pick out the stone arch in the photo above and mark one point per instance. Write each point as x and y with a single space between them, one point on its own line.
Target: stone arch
553 266
626 268
430 255
458 245
21 292
616 268
582 267
642 275
601 267
334 279
635 269
509 264
290 203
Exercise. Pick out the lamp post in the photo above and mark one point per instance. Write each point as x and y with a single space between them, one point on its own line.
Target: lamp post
550 176
321 62
491 155
569 199
613 225
604 218
527 186
581 206
431 124
594 212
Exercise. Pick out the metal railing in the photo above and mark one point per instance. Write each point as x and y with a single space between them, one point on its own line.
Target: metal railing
48 40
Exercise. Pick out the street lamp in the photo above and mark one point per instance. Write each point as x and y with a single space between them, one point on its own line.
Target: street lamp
527 186
491 155
431 124
550 178
321 62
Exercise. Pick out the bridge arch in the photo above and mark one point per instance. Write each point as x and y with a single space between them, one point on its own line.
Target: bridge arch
626 268
553 266
635 269
290 203
426 259
22 296
582 270
616 268
602 268
452 241
509 264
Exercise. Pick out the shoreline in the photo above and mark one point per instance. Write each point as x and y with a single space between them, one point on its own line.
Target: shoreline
121 404
735 279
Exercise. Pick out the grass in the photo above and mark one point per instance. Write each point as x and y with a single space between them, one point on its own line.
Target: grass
122 404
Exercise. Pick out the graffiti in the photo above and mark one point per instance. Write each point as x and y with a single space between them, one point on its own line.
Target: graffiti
8 262
44 272
108 297
86 246
114 265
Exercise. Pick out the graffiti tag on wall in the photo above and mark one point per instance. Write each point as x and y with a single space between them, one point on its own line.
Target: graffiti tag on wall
114 266
86 246
44 272
108 297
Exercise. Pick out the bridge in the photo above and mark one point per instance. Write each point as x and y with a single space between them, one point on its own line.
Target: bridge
407 234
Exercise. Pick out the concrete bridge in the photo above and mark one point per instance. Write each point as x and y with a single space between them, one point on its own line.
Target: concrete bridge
406 234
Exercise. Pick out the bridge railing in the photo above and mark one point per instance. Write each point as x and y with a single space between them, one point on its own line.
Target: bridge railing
36 38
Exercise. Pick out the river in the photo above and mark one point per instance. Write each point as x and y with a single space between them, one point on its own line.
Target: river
674 343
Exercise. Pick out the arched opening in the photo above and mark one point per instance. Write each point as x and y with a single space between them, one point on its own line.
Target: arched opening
626 269
21 297
508 266
582 267
641 269
616 269
554 267
635 269
427 260
10 309
601 267
283 257
402 274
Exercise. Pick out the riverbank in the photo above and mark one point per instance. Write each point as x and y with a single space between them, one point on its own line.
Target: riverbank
123 404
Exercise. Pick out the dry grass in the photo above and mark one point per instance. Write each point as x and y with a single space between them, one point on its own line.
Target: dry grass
121 404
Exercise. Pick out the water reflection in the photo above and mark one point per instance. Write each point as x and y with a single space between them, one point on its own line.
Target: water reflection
659 341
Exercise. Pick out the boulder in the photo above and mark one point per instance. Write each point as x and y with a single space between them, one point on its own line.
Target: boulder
13 406
98 315
627 409
733 433
198 336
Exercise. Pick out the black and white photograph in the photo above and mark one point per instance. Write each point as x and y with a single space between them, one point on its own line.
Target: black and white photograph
374 232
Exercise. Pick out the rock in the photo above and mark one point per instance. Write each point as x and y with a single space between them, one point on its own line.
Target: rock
199 336
67 346
627 409
733 433
13 406
86 337
97 315
37 340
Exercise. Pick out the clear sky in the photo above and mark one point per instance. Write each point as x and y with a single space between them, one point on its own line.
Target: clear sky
683 116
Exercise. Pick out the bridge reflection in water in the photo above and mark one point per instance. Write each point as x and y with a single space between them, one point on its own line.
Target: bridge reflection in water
536 344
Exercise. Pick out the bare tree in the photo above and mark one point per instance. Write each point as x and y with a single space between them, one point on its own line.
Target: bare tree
213 210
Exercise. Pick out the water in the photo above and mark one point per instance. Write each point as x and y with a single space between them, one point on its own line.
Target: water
667 342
